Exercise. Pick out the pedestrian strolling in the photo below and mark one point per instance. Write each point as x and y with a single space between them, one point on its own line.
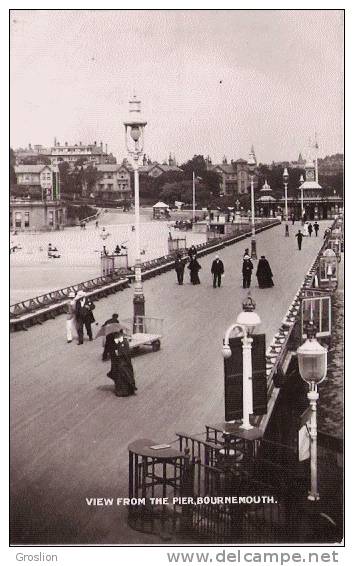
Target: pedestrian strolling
310 229
247 268
70 319
179 268
217 269
194 268
108 340
293 219
122 371
316 228
299 237
84 315
264 274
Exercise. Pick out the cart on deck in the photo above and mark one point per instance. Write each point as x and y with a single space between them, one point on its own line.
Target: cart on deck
147 332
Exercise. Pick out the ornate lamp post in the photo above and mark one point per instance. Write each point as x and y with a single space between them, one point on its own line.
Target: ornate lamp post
252 163
134 140
302 197
312 358
246 322
286 180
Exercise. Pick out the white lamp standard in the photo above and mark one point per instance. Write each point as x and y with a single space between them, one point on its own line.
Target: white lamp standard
246 322
302 196
312 359
286 180
134 139
252 163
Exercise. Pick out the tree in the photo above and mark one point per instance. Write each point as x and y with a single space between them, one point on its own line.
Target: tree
212 181
13 179
196 164
90 177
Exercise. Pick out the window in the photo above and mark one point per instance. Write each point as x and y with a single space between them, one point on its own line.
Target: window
11 220
50 218
27 222
18 219
317 310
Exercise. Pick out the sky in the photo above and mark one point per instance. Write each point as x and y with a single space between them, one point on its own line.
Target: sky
211 82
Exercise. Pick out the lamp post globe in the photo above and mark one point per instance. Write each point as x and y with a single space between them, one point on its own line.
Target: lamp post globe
248 321
312 359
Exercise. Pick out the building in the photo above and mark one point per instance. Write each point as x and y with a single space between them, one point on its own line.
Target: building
38 180
27 214
156 169
234 176
88 153
114 183
315 204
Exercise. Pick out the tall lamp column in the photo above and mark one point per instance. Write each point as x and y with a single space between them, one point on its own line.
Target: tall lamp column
286 180
251 168
246 322
312 359
302 197
134 139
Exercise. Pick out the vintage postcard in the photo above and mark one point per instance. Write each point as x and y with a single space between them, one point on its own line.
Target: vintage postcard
177 279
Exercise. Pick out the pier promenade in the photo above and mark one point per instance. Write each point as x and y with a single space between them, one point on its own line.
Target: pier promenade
69 433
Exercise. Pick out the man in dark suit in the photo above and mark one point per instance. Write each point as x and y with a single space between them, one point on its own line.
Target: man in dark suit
84 315
217 270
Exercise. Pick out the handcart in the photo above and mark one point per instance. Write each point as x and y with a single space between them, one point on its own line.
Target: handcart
147 331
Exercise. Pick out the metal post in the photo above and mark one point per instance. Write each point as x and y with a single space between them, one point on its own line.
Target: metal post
313 397
193 216
253 239
139 299
286 210
247 393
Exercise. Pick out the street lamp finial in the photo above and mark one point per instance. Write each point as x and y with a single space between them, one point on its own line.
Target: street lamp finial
248 304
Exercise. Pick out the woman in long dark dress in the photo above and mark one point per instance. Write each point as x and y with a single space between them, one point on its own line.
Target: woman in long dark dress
122 371
194 267
264 273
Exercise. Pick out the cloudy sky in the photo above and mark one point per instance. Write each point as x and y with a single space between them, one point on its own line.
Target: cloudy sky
210 82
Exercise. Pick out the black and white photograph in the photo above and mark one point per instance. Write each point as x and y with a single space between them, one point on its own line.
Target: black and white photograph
176 232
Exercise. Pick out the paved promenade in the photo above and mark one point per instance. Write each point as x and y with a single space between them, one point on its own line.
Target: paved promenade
69 433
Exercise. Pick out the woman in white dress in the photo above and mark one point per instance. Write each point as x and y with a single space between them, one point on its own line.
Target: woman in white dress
71 330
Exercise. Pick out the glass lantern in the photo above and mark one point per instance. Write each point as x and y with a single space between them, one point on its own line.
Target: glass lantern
312 359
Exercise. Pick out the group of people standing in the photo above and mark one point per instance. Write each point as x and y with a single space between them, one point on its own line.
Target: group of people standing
264 273
307 231
193 266
79 316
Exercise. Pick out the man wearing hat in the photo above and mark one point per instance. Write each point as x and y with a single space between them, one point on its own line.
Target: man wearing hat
70 318
84 316
217 269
